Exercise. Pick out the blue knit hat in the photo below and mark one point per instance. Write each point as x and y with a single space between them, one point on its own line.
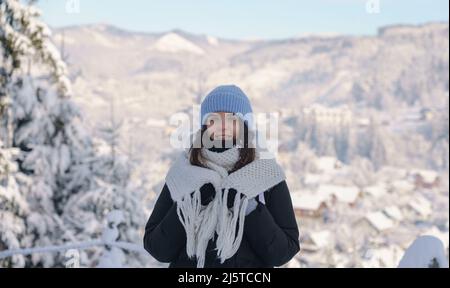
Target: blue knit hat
227 98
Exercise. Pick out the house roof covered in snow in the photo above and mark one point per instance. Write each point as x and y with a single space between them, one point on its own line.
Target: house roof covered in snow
320 238
376 190
391 172
393 212
315 179
309 201
421 205
327 163
346 194
428 176
382 257
379 221
402 186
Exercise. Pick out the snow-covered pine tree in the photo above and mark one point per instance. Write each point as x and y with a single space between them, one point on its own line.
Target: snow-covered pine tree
13 206
115 190
72 183
39 118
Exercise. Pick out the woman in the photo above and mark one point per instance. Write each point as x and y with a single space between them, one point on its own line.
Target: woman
223 204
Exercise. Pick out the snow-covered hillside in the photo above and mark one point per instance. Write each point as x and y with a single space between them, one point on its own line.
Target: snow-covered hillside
400 68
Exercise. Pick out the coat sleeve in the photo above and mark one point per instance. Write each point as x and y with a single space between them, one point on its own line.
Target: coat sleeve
164 233
271 229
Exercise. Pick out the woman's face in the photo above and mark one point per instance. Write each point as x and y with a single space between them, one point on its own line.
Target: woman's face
223 125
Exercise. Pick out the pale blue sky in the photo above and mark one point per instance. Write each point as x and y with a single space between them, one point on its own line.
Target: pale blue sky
267 19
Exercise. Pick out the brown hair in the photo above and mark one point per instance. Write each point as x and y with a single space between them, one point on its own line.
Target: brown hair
246 154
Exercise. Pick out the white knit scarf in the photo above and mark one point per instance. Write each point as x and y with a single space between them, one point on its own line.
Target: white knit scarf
201 222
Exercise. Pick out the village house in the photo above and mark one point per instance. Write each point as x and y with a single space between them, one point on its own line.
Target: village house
373 224
327 164
317 240
375 191
402 186
391 173
427 179
394 213
327 115
420 207
382 257
308 205
340 193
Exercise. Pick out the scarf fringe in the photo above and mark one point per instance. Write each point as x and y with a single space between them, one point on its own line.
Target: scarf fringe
199 223
228 242
206 231
188 210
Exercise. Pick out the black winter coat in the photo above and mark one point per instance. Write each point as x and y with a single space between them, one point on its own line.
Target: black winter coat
271 235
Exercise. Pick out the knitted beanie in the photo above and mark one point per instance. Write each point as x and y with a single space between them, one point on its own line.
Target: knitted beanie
227 98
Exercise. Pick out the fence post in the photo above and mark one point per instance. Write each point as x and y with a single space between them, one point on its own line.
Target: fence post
112 257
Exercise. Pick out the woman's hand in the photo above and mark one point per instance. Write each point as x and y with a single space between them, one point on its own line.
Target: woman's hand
207 193
231 195
252 203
